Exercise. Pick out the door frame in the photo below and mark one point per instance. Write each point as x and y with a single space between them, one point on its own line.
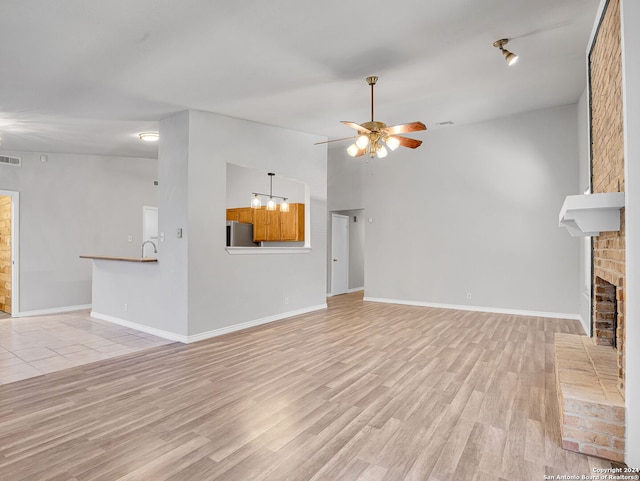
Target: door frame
15 250
331 263
156 238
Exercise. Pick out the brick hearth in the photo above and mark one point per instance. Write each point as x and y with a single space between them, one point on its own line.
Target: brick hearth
592 413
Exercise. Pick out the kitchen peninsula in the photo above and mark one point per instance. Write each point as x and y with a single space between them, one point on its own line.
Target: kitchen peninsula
129 291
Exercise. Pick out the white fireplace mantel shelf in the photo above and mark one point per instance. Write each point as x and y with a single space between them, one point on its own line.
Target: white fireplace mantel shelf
588 215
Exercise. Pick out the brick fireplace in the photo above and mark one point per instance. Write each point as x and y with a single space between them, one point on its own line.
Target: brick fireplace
590 373
607 175
605 313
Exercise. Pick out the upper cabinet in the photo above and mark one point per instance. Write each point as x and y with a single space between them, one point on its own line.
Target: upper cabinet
243 215
266 225
272 225
292 223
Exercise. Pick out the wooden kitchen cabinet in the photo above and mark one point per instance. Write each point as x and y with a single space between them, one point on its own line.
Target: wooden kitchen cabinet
245 215
272 225
292 223
266 225
241 214
232 214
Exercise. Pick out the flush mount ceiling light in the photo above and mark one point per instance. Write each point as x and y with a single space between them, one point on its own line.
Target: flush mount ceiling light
149 136
509 57
371 135
256 202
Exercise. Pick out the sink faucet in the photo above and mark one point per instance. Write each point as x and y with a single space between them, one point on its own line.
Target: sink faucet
155 250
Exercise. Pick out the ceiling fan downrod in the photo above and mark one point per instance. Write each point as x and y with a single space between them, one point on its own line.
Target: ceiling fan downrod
372 81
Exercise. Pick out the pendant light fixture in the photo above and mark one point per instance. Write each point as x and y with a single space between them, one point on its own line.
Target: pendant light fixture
272 203
510 57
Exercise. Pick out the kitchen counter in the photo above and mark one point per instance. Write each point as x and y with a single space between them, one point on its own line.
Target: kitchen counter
122 259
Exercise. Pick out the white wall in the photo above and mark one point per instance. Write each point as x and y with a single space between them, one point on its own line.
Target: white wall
242 181
198 288
70 206
474 209
630 10
155 294
345 178
225 289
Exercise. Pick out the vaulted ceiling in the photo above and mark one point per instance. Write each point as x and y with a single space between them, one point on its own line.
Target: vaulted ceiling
84 76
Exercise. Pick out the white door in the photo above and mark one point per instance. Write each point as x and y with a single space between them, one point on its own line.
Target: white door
150 224
339 254
9 268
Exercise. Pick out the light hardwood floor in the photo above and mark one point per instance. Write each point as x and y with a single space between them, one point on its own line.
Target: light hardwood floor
361 391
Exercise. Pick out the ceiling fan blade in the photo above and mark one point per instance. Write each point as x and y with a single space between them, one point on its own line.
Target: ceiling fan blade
407 142
358 127
334 140
404 128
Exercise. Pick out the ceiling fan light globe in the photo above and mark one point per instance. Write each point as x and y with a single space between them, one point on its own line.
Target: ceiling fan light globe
362 141
381 152
353 150
392 142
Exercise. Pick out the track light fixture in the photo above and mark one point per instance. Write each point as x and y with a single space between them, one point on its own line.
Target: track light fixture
509 57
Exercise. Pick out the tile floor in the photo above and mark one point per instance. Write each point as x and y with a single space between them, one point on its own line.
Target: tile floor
32 346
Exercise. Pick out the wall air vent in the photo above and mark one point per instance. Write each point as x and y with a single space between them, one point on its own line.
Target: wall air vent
5 159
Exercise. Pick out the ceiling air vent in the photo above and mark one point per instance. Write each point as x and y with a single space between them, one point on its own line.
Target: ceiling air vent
5 159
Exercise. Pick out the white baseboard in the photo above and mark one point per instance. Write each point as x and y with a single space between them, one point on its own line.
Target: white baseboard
495 310
53 310
257 322
585 325
172 336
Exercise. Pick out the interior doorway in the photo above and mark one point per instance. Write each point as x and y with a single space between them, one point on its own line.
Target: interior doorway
339 254
8 253
150 224
348 267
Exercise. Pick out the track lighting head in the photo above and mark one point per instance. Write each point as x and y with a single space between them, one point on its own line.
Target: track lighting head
509 57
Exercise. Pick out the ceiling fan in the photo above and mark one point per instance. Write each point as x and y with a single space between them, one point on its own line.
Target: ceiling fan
372 134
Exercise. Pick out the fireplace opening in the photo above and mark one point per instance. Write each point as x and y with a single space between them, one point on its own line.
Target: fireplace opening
605 313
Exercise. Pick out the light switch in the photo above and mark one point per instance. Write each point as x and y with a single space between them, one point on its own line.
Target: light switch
130 238
179 232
